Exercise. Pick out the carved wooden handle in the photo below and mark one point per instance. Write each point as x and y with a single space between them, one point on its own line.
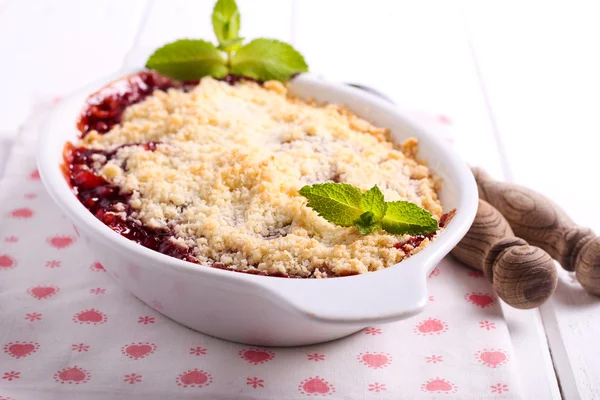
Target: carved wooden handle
523 276
542 223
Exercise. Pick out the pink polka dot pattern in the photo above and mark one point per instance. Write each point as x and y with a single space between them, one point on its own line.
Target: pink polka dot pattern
74 329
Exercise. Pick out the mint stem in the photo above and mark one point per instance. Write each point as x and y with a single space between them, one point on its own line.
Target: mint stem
228 63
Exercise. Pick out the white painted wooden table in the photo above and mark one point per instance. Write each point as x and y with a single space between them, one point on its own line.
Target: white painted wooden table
520 83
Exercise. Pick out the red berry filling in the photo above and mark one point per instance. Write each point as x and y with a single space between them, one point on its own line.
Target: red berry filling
104 109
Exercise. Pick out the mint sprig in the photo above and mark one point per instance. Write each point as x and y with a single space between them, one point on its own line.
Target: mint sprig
261 59
345 205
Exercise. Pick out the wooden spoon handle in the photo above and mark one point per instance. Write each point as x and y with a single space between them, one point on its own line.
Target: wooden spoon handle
542 223
523 276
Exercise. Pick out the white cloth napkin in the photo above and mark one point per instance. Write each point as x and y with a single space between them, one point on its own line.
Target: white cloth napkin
67 330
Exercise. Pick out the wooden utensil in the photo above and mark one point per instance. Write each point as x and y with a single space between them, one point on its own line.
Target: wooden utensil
523 276
542 223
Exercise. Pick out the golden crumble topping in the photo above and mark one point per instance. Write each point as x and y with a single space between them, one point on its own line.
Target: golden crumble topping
225 175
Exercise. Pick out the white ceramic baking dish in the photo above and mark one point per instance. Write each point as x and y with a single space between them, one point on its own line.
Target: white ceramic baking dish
263 310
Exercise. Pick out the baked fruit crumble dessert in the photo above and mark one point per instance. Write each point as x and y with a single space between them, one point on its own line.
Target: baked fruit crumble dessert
209 172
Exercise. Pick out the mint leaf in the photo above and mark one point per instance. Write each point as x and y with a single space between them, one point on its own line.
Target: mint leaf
366 223
188 59
404 217
268 59
226 21
372 200
338 203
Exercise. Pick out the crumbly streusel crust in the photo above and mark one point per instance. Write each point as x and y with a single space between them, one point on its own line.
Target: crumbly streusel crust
231 159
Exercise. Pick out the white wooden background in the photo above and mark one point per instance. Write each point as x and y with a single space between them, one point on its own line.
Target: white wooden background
520 82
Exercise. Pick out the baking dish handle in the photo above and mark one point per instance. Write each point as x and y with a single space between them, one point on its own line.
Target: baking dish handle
392 294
